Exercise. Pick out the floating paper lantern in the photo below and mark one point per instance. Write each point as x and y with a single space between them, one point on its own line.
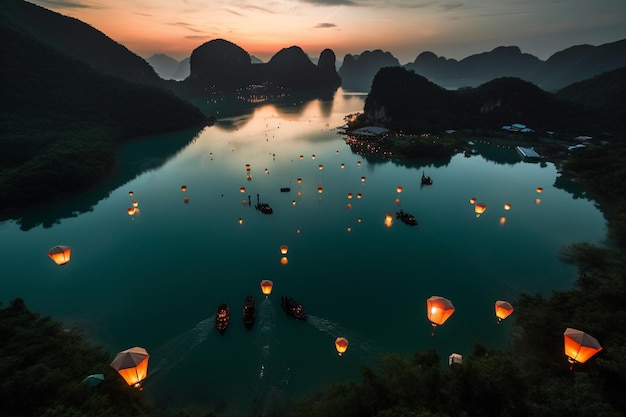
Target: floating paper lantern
438 310
349 229
284 260
135 203
359 195
299 180
183 188
507 206
293 202
397 201
455 358
60 254
320 167
341 344
472 200
502 220
301 157
240 220
313 156
267 171
358 163
349 196
539 190
131 211
479 209
343 166
537 201
132 365
299 194
388 220
579 346
348 206
320 190
503 310
242 190
362 179
284 249
398 189
266 286
130 193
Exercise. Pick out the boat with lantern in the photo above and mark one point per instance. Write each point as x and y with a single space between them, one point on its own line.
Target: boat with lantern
249 311
222 317
263 207
426 180
406 218
292 308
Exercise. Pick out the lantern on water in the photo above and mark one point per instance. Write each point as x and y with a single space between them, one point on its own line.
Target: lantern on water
349 196
135 203
358 163
388 220
293 202
539 189
579 346
320 167
359 195
132 365
240 220
60 254
299 180
343 166
398 189
186 200
537 200
362 179
503 310
397 201
284 249
183 188
479 209
130 193
131 211
284 260
313 156
320 189
341 344
266 286
301 156
507 206
438 310
348 206
242 190
472 200
502 220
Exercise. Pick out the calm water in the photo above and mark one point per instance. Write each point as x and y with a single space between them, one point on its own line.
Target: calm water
155 279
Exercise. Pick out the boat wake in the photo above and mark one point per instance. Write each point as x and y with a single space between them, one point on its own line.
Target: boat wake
176 349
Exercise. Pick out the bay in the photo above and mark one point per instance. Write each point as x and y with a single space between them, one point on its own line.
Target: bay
155 279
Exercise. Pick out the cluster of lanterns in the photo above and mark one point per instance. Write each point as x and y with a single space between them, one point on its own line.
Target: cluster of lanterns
283 251
480 208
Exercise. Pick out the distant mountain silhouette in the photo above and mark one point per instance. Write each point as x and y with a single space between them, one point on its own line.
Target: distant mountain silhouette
183 70
221 65
78 40
405 101
357 72
563 68
164 65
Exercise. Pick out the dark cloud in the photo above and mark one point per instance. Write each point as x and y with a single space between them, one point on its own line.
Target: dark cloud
186 26
451 6
66 4
325 25
233 12
197 37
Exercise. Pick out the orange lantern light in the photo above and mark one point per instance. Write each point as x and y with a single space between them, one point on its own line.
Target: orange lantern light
284 260
130 193
398 189
299 180
320 190
343 166
313 156
299 194
293 202
349 196
479 209
240 220
60 254
537 201
397 201
320 167
301 157
132 365
341 344
358 163
579 346
266 286
183 188
131 211
438 309
135 203
359 195
472 200
349 229
362 179
507 206
348 206
242 190
502 220
284 249
539 190
503 310
388 220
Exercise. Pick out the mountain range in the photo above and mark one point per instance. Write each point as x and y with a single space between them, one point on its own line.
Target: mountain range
559 70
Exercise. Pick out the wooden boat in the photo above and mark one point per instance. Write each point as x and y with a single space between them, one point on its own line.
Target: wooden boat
249 311
285 189
263 207
426 180
292 308
222 317
406 218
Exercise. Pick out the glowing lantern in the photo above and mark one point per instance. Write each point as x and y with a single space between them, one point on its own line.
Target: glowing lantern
341 344
301 157
299 180
299 194
183 188
244 203
349 229
358 163
539 189
240 220
359 195
399 189
349 196
131 211
320 189
502 220
348 206
507 206
479 209
186 200
472 200
60 254
284 249
503 310
455 358
397 201
135 203
242 190
359 220
298 231
130 193
579 346
266 286
293 202
267 171
388 220
438 309
343 166
320 167
362 179
284 260
313 156
132 365
537 200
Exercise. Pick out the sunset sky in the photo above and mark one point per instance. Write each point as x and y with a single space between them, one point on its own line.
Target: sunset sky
450 28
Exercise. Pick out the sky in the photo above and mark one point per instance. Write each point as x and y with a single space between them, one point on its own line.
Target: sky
405 28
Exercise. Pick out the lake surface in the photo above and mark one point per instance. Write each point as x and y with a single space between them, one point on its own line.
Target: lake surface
155 279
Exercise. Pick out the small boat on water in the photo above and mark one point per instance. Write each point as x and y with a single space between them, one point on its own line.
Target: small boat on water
426 180
406 218
222 317
285 189
263 207
292 308
249 311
